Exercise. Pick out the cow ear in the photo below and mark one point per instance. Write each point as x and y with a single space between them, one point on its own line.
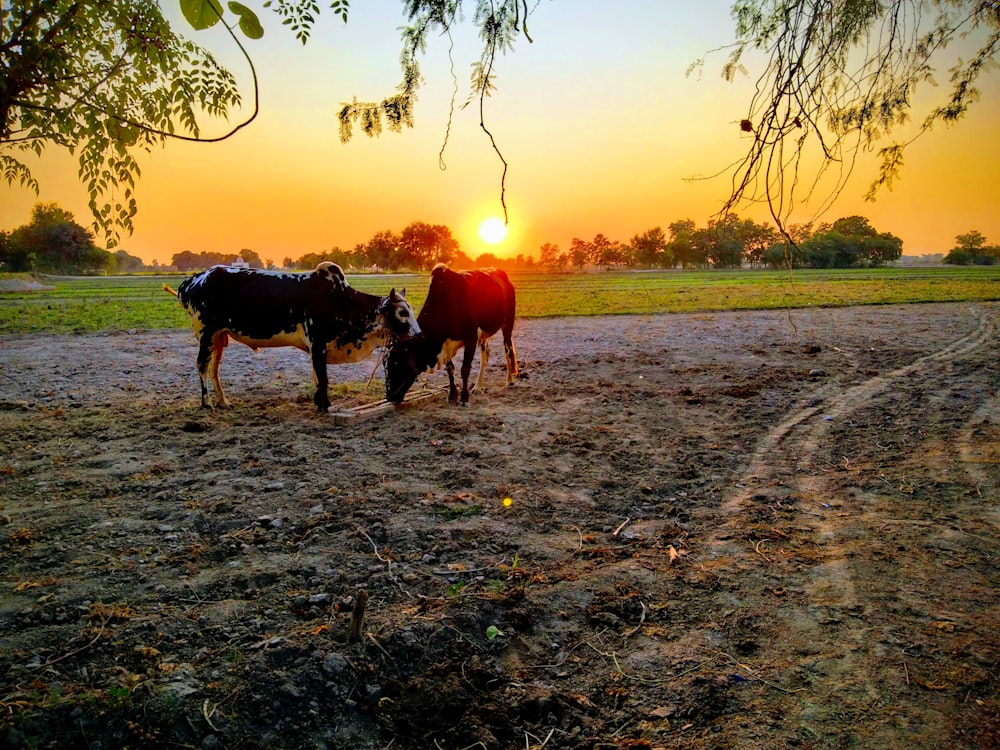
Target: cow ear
402 292
392 294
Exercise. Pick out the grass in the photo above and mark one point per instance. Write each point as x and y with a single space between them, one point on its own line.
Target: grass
122 303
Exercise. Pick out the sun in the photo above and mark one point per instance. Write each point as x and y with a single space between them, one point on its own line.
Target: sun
493 230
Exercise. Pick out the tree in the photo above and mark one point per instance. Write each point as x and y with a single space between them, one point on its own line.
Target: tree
850 241
381 250
422 245
756 239
54 243
104 79
579 252
606 252
650 248
971 249
682 246
251 257
548 255
125 263
840 77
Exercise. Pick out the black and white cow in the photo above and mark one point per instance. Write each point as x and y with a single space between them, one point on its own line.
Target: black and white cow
317 312
462 308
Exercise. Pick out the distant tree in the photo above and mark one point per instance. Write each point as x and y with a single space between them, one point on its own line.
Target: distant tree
720 242
682 247
251 258
54 243
650 248
579 252
755 239
186 261
461 260
882 248
783 255
487 260
423 245
548 255
830 249
381 250
125 263
606 252
970 241
343 258
971 249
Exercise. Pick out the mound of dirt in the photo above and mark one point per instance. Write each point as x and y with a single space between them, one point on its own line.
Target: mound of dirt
23 285
753 530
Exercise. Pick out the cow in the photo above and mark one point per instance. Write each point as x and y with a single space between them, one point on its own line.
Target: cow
462 308
317 312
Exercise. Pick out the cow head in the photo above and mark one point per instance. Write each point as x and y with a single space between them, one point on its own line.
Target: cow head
398 315
404 363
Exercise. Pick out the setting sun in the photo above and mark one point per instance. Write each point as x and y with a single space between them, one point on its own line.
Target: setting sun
493 230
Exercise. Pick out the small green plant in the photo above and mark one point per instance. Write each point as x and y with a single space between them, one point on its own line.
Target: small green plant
492 632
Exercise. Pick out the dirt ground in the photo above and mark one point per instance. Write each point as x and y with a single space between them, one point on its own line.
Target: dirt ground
753 530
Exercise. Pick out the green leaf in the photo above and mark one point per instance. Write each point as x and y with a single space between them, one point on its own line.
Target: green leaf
492 632
249 23
201 14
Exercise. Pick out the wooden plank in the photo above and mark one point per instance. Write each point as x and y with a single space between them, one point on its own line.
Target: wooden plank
346 417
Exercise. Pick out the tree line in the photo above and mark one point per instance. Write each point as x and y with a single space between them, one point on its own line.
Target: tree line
52 242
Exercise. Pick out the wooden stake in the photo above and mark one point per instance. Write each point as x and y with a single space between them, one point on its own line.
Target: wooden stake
358 616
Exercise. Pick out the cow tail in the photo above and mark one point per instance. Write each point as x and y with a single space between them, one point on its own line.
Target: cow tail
511 304
509 352
168 289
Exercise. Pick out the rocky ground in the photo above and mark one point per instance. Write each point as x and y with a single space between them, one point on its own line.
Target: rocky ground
754 530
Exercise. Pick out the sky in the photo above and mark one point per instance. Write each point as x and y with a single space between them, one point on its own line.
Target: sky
600 126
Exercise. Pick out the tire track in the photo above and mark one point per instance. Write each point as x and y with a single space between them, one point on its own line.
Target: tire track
827 619
775 448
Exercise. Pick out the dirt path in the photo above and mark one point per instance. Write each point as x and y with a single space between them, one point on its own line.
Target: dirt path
748 530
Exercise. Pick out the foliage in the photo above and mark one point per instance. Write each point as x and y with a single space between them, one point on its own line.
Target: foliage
649 249
423 245
971 249
849 242
104 79
52 242
839 78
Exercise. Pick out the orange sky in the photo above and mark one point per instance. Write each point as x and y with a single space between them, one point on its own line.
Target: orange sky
597 120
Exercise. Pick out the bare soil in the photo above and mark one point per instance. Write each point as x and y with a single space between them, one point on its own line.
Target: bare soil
752 530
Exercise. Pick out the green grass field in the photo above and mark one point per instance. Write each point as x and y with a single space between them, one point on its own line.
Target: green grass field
91 304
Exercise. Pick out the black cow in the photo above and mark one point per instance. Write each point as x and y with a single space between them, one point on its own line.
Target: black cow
317 312
462 307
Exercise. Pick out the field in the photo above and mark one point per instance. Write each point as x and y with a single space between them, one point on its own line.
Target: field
122 303
716 529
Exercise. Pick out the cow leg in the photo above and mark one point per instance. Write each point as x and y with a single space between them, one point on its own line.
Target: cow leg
219 343
322 396
484 356
510 354
452 390
467 355
205 354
